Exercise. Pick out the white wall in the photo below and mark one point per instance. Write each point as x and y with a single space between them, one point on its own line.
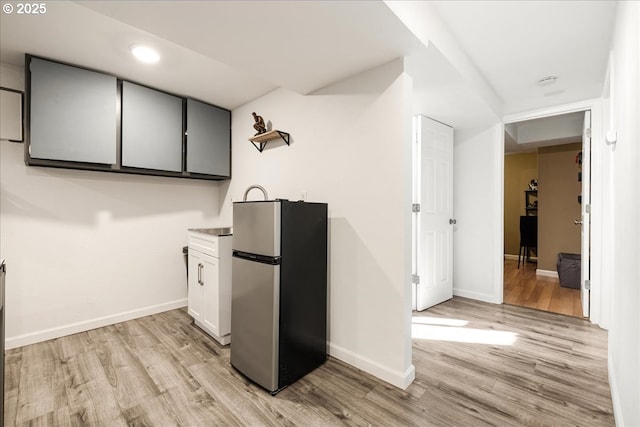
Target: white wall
86 249
477 207
624 332
351 148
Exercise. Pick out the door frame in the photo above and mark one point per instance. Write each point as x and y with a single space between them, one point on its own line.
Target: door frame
599 252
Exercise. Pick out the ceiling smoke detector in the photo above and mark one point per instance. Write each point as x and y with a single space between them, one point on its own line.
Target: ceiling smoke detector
547 81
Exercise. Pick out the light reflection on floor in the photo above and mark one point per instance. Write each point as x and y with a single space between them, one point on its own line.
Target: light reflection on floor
425 320
441 329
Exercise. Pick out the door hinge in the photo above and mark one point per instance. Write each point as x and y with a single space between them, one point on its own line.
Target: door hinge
587 208
415 207
415 279
587 284
587 131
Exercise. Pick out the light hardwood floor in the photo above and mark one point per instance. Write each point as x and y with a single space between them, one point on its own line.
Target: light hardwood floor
162 371
522 287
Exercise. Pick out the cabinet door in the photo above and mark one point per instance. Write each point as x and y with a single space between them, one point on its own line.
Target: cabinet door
208 139
195 289
151 129
72 113
211 294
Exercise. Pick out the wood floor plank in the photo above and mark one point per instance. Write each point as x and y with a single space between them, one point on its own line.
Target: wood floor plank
231 394
129 379
89 392
193 407
57 418
10 406
151 412
41 391
12 367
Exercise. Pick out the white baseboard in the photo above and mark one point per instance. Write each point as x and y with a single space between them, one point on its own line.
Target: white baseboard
87 325
490 298
615 395
547 273
396 378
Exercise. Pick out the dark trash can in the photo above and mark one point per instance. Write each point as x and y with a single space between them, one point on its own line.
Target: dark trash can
569 267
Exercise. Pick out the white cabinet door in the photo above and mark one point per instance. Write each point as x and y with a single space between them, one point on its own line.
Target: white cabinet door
195 300
209 292
210 280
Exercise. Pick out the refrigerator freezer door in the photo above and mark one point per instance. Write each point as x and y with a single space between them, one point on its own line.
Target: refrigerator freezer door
256 227
254 320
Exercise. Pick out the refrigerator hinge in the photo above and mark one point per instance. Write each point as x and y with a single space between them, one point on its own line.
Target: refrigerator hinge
587 284
415 279
415 207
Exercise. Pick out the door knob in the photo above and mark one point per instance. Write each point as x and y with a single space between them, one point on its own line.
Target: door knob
577 221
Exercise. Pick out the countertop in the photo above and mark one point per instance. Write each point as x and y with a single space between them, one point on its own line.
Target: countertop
226 231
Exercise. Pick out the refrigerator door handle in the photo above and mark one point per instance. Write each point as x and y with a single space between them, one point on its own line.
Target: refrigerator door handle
265 259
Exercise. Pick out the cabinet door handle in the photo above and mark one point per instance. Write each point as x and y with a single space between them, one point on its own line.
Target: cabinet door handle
200 274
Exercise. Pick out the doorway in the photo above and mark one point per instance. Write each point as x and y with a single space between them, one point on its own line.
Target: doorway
546 188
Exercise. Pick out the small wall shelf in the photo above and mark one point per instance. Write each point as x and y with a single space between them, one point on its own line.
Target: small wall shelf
260 141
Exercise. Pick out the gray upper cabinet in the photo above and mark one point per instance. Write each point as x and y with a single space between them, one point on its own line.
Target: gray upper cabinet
83 119
72 113
151 129
208 139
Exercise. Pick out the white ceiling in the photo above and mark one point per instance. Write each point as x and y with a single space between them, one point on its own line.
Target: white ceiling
516 43
230 52
223 52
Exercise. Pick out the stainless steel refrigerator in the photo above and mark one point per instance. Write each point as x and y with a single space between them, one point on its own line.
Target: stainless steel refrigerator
279 290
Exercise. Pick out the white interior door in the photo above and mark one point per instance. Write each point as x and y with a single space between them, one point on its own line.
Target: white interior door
433 223
586 214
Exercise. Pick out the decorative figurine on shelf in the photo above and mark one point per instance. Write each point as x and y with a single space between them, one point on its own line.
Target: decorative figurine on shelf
533 185
259 125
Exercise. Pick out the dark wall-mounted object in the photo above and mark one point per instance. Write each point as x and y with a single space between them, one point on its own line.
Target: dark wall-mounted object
78 118
11 114
259 124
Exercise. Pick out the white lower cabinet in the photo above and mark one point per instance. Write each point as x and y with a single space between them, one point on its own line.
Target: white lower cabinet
209 292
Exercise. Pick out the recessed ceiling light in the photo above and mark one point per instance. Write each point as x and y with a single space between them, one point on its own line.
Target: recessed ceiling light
547 81
145 54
